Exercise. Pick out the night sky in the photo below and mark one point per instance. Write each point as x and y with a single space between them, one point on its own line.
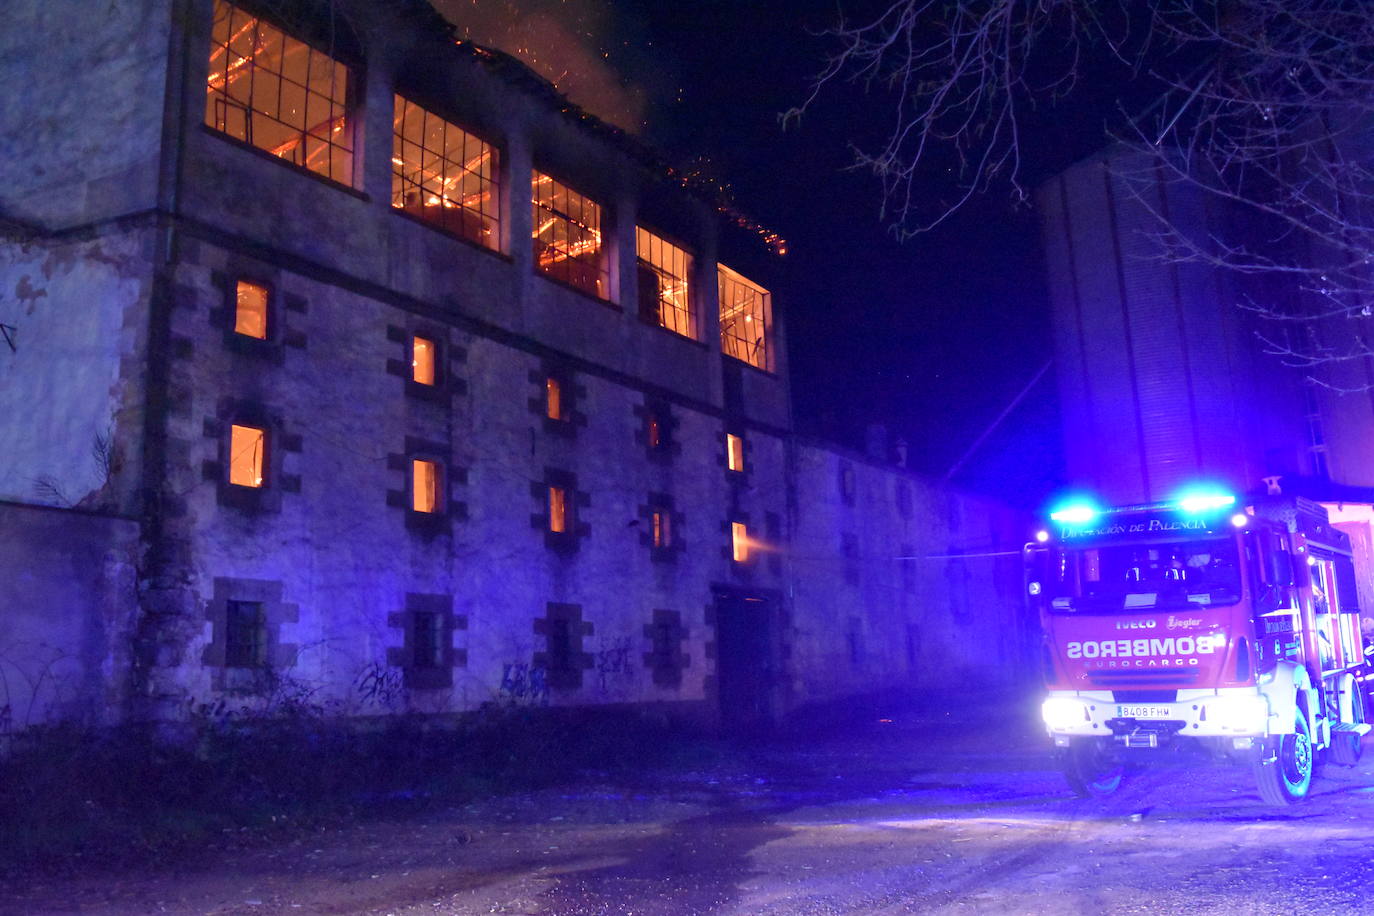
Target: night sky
932 338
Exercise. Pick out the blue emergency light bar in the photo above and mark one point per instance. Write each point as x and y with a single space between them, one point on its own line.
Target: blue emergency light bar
1198 503
1075 514
1193 502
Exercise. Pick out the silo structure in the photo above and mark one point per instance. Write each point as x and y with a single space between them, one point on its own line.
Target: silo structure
1157 377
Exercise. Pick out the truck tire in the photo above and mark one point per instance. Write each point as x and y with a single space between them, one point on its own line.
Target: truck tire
1090 768
1347 747
1287 778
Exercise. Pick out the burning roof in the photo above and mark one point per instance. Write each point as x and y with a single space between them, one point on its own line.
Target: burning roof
519 74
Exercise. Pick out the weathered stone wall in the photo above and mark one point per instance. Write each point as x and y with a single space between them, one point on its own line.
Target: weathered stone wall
67 616
341 551
902 582
85 91
74 311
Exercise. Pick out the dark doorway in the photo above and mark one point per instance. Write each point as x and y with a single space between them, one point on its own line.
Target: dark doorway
747 658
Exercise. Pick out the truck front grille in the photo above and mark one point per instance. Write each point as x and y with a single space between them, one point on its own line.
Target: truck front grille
1132 680
1144 696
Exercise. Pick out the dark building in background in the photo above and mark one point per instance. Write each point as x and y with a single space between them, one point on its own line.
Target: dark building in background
1163 381
352 363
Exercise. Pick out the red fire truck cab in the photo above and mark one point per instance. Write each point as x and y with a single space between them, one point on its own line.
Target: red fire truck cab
1199 620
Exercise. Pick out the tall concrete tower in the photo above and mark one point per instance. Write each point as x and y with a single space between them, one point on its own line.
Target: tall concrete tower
1159 379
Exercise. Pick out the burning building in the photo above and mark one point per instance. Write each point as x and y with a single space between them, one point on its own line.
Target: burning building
347 360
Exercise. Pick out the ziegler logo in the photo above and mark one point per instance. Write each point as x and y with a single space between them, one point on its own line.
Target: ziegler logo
1135 624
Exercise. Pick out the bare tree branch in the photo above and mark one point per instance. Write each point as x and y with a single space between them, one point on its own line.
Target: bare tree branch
1265 107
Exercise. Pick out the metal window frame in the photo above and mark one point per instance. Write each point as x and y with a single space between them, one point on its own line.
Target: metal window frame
334 134
481 224
662 257
578 211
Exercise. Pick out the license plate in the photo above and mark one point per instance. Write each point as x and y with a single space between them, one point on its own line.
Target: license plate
1144 712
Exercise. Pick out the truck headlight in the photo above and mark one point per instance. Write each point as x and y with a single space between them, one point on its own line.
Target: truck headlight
1245 714
1063 712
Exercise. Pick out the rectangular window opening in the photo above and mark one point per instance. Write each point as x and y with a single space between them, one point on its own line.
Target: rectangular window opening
734 452
423 362
665 295
739 542
653 431
247 458
245 635
428 634
444 175
424 485
553 398
662 529
746 319
560 645
568 246
250 310
558 510
279 94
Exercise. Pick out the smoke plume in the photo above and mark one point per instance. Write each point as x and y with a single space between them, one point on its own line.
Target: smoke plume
568 42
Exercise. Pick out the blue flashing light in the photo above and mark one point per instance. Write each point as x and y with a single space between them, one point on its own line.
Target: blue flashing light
1075 514
1198 503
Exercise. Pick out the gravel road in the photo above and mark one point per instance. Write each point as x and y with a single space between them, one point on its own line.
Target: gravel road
908 815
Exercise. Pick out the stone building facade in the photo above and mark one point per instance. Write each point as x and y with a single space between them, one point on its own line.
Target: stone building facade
348 364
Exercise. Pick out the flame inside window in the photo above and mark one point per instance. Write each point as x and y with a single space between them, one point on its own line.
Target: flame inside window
734 452
278 94
250 310
558 510
746 319
662 529
247 447
663 270
567 237
424 485
445 175
422 360
653 431
739 542
553 398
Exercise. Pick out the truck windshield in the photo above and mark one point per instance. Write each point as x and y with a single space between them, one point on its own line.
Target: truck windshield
1127 577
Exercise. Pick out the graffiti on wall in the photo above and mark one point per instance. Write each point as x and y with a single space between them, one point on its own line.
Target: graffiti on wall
612 661
381 685
524 684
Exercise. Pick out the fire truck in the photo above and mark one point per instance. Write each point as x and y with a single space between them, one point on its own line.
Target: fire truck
1201 622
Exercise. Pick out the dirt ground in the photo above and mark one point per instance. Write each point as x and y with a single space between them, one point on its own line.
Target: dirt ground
950 816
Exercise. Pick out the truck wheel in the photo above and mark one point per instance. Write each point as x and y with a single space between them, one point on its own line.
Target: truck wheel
1348 748
1288 778
1091 768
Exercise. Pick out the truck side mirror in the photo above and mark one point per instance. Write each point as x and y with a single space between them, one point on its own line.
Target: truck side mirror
1035 568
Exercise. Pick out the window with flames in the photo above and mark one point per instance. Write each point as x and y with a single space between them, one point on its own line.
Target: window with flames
279 94
746 320
568 246
444 175
663 271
